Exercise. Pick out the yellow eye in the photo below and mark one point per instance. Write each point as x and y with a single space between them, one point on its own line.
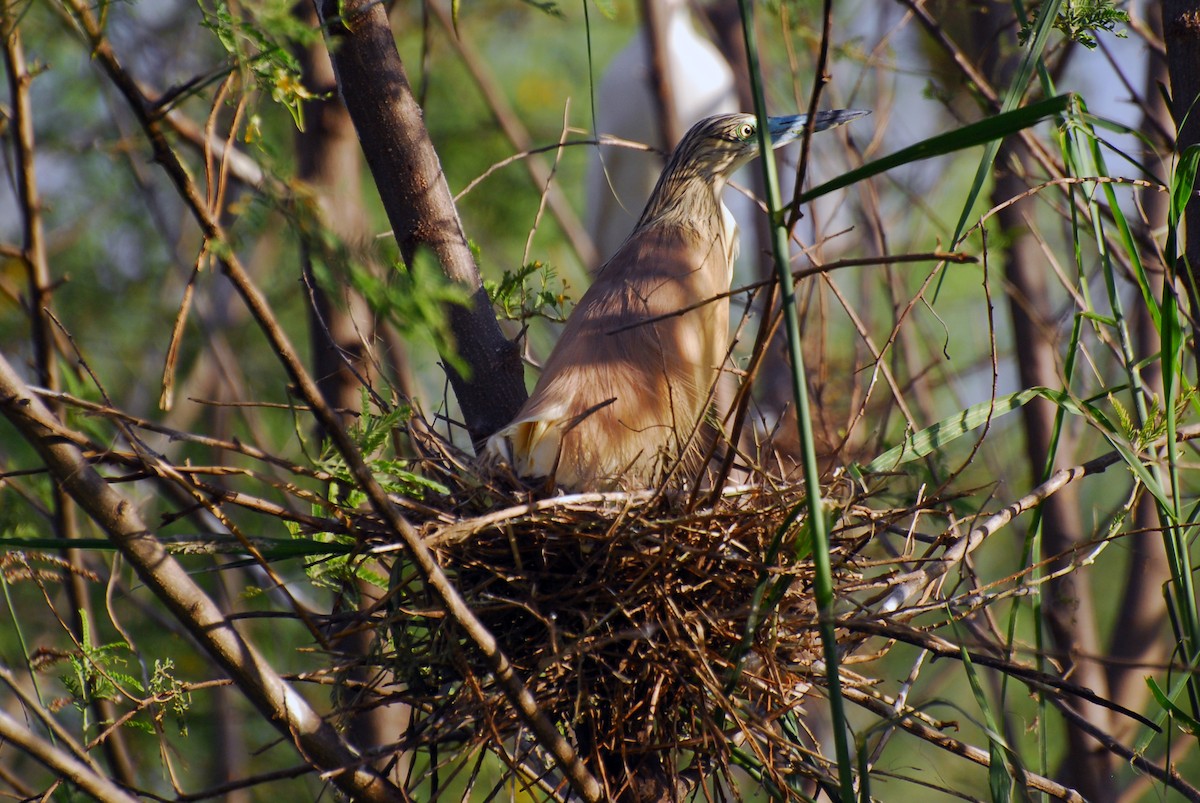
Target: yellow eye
745 131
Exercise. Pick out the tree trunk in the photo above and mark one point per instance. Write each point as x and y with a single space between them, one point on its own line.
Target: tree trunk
1137 637
1067 604
418 203
329 161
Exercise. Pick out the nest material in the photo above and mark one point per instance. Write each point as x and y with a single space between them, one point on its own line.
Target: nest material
628 616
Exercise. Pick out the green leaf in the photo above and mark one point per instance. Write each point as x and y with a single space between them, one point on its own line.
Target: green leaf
987 130
1182 182
919 444
606 7
1005 773
1186 722
1033 54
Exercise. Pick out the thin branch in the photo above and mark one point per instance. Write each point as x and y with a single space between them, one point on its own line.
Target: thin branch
64 765
909 585
518 136
956 257
255 676
951 745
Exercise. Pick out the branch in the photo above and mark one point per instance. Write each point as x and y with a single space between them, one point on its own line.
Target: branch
118 516
418 203
518 136
970 752
364 784
66 766
908 585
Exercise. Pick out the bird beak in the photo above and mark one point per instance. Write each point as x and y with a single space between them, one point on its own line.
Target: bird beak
787 129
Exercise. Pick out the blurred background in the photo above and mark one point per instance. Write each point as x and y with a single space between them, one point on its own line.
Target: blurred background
550 121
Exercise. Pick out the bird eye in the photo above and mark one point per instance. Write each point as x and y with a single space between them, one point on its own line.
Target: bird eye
745 131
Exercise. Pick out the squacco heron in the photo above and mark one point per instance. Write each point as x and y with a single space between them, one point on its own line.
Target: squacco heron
622 397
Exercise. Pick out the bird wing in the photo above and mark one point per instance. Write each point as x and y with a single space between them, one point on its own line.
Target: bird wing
622 390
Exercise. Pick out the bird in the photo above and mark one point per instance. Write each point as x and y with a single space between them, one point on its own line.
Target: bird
622 397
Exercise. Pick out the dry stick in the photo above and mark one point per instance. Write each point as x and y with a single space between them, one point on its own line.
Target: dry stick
881 709
956 257
256 677
985 88
519 137
942 648
61 763
55 728
118 516
238 447
820 78
908 585
34 256
606 140
1168 776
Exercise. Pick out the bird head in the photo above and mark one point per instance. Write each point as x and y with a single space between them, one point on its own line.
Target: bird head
717 146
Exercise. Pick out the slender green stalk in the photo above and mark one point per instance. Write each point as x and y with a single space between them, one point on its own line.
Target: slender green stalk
823 582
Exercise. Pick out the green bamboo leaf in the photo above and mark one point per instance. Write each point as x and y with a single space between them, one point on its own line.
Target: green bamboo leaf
606 7
919 444
987 130
1033 55
1186 722
1181 683
1182 181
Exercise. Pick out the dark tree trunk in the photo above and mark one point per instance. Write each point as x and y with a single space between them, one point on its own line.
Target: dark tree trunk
1137 637
418 203
1181 34
330 162
1067 604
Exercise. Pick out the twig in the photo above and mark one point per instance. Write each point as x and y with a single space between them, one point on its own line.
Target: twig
946 649
956 257
1168 776
518 136
905 720
908 585
87 778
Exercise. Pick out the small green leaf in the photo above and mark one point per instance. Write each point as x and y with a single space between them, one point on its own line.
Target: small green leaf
921 443
1183 719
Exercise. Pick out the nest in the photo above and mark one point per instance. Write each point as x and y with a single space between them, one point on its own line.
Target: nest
654 628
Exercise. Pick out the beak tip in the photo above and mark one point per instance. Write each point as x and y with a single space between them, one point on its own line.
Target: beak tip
787 129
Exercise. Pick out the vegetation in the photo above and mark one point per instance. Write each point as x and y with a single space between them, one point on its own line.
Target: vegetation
246 549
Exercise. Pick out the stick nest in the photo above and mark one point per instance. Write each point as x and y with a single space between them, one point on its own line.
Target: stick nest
627 615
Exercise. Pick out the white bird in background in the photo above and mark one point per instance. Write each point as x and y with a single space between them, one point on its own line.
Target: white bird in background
701 84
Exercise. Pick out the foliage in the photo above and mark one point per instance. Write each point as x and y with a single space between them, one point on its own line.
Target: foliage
516 297
665 626
1081 20
258 38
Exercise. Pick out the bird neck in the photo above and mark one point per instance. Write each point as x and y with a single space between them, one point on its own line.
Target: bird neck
685 196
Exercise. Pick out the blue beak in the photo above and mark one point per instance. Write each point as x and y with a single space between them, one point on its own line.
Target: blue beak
787 129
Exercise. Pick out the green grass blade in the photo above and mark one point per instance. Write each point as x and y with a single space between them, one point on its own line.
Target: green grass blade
822 570
928 440
1186 722
1033 55
991 129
